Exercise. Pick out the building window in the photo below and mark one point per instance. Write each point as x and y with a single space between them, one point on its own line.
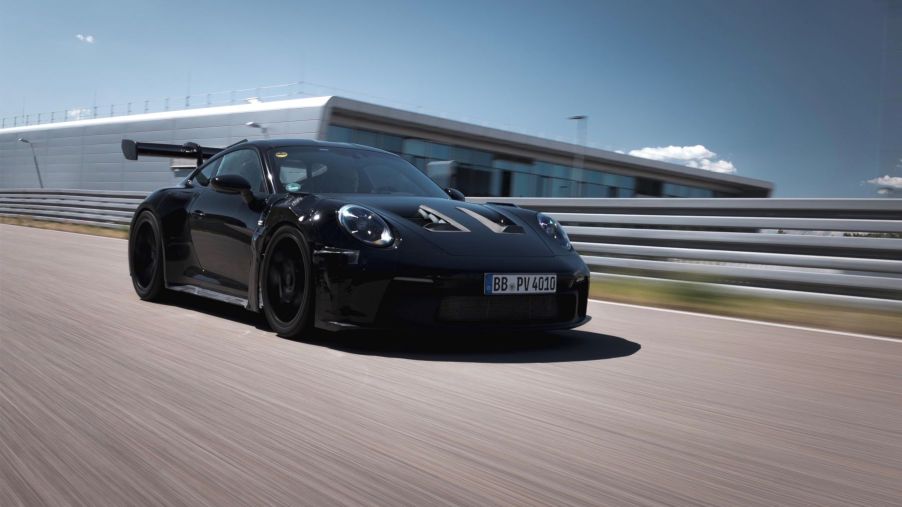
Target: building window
647 187
483 173
675 190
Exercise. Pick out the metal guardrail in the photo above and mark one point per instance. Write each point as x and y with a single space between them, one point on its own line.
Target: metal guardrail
847 247
826 246
102 208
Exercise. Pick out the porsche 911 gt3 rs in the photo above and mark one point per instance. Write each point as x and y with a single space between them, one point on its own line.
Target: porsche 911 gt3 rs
342 236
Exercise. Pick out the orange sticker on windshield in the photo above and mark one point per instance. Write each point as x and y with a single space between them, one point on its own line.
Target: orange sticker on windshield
281 154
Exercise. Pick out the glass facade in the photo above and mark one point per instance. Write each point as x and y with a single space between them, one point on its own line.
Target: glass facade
483 173
674 190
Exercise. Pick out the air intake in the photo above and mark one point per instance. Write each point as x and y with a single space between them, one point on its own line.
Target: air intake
432 220
499 223
515 308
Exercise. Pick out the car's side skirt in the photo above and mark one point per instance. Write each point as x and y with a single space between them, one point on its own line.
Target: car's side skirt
209 294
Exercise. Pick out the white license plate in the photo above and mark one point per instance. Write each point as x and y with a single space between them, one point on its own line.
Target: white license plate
520 283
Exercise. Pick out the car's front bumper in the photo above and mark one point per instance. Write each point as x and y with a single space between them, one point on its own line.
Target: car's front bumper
380 293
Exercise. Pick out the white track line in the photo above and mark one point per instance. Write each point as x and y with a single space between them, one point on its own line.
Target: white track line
750 321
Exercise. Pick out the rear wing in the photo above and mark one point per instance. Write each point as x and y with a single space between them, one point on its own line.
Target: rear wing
132 149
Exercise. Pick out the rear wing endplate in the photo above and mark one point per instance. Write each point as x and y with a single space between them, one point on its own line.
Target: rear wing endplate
132 149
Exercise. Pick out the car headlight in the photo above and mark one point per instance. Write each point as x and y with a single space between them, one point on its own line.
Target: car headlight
553 229
365 225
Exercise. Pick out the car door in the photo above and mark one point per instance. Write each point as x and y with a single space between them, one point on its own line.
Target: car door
223 224
181 260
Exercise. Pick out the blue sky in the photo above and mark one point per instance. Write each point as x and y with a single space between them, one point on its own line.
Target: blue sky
783 90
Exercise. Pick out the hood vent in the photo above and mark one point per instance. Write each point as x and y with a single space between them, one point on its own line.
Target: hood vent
499 224
432 220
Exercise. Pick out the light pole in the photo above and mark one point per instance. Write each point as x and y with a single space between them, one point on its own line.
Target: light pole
582 126
255 125
35 158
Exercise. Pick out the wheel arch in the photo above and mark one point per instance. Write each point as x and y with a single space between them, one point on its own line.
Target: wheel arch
260 245
282 232
157 226
155 203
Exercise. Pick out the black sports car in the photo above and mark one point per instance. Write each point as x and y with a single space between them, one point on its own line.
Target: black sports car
344 236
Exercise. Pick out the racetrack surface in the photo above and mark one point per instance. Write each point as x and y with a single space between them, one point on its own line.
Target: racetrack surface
108 400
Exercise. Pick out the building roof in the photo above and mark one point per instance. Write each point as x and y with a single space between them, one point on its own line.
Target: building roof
177 114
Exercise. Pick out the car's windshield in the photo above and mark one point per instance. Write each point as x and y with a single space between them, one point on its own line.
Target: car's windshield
336 170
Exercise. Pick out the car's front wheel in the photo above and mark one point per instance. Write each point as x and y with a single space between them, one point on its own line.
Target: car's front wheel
287 284
145 256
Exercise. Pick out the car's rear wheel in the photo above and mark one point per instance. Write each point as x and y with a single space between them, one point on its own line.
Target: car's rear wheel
287 283
145 256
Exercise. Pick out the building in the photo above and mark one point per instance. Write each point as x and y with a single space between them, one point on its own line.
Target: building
480 161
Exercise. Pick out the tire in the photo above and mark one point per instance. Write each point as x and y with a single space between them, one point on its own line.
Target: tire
286 283
145 256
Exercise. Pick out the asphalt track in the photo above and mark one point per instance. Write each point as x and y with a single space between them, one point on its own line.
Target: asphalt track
107 400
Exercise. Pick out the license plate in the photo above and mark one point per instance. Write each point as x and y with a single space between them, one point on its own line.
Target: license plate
520 283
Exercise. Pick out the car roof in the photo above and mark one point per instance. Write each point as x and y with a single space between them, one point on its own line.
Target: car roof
277 143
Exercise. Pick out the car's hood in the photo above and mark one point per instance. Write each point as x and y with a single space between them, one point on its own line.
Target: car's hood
458 228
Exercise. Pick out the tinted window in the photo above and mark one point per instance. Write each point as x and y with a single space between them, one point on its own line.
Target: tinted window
203 176
347 171
244 163
648 186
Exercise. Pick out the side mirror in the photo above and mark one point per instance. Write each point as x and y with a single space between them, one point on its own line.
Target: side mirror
233 184
455 194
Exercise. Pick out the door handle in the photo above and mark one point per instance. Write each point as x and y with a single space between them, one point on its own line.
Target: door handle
198 213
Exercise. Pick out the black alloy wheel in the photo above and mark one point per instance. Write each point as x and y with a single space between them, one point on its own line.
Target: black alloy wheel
286 283
145 256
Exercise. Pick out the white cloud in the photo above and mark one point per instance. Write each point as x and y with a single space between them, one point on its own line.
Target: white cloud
887 181
669 153
718 166
77 113
693 156
85 38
